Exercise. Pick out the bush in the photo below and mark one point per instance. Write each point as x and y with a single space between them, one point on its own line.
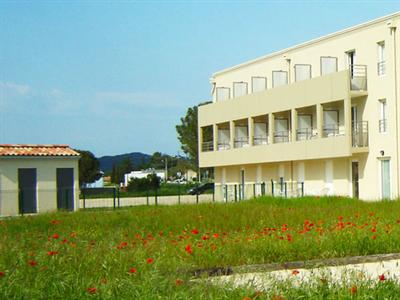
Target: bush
151 182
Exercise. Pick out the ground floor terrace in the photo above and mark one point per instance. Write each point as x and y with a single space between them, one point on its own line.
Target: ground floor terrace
359 176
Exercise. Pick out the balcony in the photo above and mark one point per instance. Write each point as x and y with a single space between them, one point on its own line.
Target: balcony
358 77
241 142
305 134
260 140
224 146
359 134
282 136
207 146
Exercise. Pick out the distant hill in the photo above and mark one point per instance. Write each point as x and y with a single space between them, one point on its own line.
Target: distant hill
106 162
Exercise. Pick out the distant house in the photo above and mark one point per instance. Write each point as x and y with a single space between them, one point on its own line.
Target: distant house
143 174
38 178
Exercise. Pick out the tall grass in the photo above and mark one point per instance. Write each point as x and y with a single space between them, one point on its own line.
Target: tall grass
149 252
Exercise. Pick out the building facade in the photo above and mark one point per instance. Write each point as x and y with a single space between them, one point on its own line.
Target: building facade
38 178
322 116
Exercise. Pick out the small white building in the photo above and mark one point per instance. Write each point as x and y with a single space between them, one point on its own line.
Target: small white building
38 178
143 174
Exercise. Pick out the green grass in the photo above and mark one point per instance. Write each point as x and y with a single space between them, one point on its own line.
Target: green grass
98 248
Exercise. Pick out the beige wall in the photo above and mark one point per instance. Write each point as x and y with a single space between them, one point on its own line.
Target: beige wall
363 39
46 181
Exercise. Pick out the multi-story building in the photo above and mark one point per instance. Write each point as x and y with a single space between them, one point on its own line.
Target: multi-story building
324 113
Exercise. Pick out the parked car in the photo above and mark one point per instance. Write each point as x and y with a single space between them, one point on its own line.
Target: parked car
200 189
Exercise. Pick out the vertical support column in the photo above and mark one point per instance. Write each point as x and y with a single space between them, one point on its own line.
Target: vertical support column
251 130
215 137
293 115
271 128
232 134
320 120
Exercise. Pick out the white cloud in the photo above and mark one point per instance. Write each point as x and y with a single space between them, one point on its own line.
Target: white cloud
11 88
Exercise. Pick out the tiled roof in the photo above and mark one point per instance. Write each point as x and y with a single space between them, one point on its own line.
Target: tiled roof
36 150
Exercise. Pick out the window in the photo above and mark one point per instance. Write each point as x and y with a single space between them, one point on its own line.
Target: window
239 89
383 116
381 58
223 93
279 78
258 84
328 65
302 72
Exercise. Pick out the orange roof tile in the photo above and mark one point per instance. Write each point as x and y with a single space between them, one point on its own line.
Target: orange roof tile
36 150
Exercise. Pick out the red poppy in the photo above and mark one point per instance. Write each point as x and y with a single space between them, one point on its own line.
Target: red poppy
353 289
373 237
55 236
205 237
373 229
382 277
189 249
195 231
132 270
178 282
122 245
32 263
52 253
150 260
2 274
64 241
73 234
340 218
289 237
55 222
295 272
215 235
92 290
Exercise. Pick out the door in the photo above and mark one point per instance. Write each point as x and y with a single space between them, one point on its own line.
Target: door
65 188
27 191
385 178
354 174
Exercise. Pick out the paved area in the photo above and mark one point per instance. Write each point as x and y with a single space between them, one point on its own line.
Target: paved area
371 271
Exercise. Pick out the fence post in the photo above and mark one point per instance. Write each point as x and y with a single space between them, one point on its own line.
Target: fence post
213 196
179 193
272 188
155 199
226 193
262 188
254 190
84 198
285 189
147 196
235 193
302 189
119 203
114 194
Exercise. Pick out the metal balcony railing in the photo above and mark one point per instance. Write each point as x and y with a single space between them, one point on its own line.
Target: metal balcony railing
330 130
358 80
282 136
360 134
207 146
381 68
241 142
224 146
382 125
304 134
260 140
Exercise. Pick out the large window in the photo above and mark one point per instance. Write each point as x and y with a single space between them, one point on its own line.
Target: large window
381 58
302 72
223 93
239 89
258 84
279 78
328 65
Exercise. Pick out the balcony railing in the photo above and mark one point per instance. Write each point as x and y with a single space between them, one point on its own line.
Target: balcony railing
330 130
260 140
241 142
207 146
282 136
224 146
360 134
305 134
382 125
381 68
358 80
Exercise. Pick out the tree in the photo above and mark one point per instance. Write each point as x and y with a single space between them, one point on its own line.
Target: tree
118 171
89 168
188 136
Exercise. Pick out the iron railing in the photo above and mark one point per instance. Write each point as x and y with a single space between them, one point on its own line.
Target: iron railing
241 142
304 134
330 130
224 146
358 80
382 125
260 140
381 68
360 134
207 146
282 136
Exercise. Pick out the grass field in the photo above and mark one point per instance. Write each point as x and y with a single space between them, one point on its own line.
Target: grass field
150 252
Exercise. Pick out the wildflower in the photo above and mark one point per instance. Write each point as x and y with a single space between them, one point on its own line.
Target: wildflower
32 263
195 231
2 274
55 236
205 237
150 260
55 222
64 241
382 277
178 282
73 234
132 270
189 249
340 218
278 297
289 237
246 298
295 272
92 290
353 289
215 235
122 245
373 229
52 253
373 237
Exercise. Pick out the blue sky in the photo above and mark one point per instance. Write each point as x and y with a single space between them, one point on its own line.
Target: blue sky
115 77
